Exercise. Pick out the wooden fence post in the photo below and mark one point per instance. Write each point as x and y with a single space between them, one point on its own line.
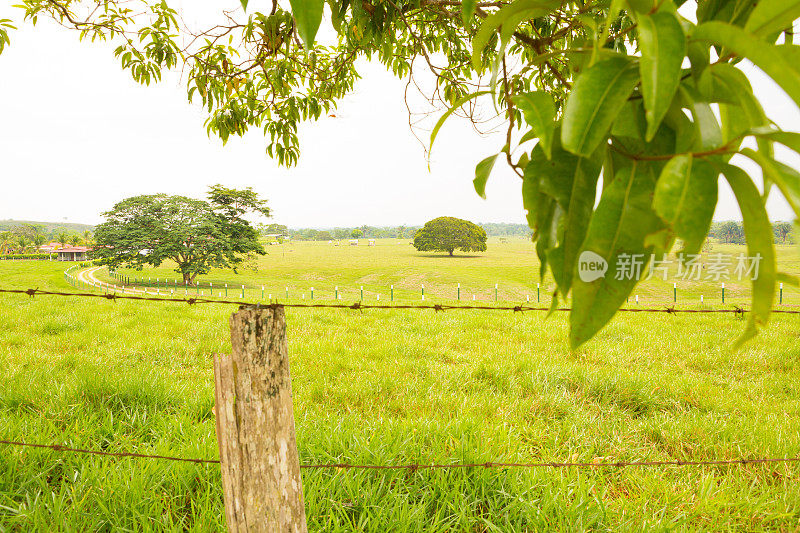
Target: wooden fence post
255 426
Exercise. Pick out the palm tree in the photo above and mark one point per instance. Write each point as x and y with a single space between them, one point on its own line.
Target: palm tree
87 236
39 240
23 243
74 239
6 240
62 239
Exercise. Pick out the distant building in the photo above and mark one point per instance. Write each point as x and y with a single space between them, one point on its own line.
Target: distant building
276 238
353 242
50 247
73 253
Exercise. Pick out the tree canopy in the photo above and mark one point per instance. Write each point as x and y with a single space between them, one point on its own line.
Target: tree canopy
623 89
447 234
196 234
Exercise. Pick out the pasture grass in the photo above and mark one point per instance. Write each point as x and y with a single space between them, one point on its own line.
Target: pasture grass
389 387
511 264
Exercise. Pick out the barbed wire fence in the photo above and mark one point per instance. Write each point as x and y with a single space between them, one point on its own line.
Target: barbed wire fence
133 285
359 306
423 466
271 314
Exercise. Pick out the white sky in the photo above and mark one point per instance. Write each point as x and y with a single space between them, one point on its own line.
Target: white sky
77 135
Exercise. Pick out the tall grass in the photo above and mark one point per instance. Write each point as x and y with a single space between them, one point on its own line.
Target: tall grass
386 387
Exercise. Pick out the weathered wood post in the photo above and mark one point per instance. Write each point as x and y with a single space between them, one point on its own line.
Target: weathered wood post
255 426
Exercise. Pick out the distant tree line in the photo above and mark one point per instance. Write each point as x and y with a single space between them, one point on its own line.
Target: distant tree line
359 232
732 232
48 228
384 232
28 237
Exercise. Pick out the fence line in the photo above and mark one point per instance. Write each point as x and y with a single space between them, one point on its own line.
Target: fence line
131 284
358 306
428 466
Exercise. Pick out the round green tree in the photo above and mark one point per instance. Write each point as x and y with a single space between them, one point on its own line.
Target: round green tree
447 234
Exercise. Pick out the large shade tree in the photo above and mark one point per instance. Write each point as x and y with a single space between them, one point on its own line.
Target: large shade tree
448 234
196 234
626 89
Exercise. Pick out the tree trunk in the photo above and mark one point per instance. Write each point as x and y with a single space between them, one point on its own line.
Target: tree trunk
450 252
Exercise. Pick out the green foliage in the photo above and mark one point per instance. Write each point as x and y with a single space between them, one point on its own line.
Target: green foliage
5 40
759 244
595 102
482 172
782 231
626 85
447 234
197 235
540 113
623 220
682 199
25 256
729 231
307 17
663 49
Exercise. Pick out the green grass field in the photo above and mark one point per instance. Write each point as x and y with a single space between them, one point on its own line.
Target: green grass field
389 387
511 265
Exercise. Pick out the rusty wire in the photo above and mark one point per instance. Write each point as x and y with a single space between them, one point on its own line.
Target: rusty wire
358 306
429 466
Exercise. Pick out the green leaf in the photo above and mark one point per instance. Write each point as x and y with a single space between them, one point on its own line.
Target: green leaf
789 139
726 84
786 178
778 62
572 182
772 16
548 220
540 113
758 231
458 103
531 197
642 6
794 281
530 8
685 132
685 198
663 47
598 95
614 8
699 56
482 172
797 232
620 225
542 214
467 11
244 4
307 16
709 132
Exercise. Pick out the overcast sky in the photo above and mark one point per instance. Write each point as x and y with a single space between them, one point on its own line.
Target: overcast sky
77 135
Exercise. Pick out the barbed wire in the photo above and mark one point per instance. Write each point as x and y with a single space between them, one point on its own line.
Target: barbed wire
428 466
60 448
358 306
